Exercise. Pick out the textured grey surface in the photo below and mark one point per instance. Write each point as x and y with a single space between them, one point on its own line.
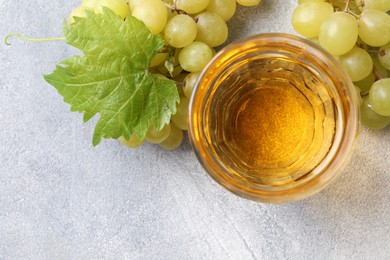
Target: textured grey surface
63 199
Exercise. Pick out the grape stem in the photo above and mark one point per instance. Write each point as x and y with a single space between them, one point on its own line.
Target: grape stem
376 74
178 83
173 8
166 49
6 40
348 10
365 93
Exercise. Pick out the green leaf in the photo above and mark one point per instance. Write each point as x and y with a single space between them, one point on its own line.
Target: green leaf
112 78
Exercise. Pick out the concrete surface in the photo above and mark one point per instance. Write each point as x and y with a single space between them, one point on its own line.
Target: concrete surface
63 199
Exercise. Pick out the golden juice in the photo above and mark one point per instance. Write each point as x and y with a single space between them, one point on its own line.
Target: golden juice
273 118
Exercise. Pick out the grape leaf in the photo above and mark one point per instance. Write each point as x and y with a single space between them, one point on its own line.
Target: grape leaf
112 77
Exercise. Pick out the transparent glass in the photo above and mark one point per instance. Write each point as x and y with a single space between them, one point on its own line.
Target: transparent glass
273 118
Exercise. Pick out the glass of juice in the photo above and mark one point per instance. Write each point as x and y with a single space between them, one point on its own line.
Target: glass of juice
273 118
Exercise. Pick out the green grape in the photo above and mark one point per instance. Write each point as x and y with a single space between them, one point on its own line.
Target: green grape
305 1
160 76
180 90
173 64
118 6
366 83
371 119
77 12
380 97
92 5
158 59
359 95
177 69
176 57
171 13
212 29
180 31
174 139
133 3
374 27
381 5
153 13
180 78
180 118
308 17
189 83
180 82
194 57
156 136
213 51
341 5
379 69
314 40
358 63
384 56
225 8
248 2
133 141
339 33
192 6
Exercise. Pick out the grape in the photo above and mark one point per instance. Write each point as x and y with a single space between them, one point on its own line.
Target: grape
177 69
180 79
212 29
194 57
379 69
381 5
213 51
153 13
314 40
366 83
117 6
248 2
359 96
374 27
180 118
133 141
91 4
173 64
180 31
192 6
339 33
358 63
308 17
160 76
189 83
133 3
174 139
171 13
158 59
225 8
371 119
156 136
77 12
305 1
380 97
384 56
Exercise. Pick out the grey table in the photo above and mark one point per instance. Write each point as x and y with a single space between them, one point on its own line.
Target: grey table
63 199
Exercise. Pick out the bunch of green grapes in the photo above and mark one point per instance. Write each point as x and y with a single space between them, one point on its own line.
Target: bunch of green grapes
357 33
191 29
